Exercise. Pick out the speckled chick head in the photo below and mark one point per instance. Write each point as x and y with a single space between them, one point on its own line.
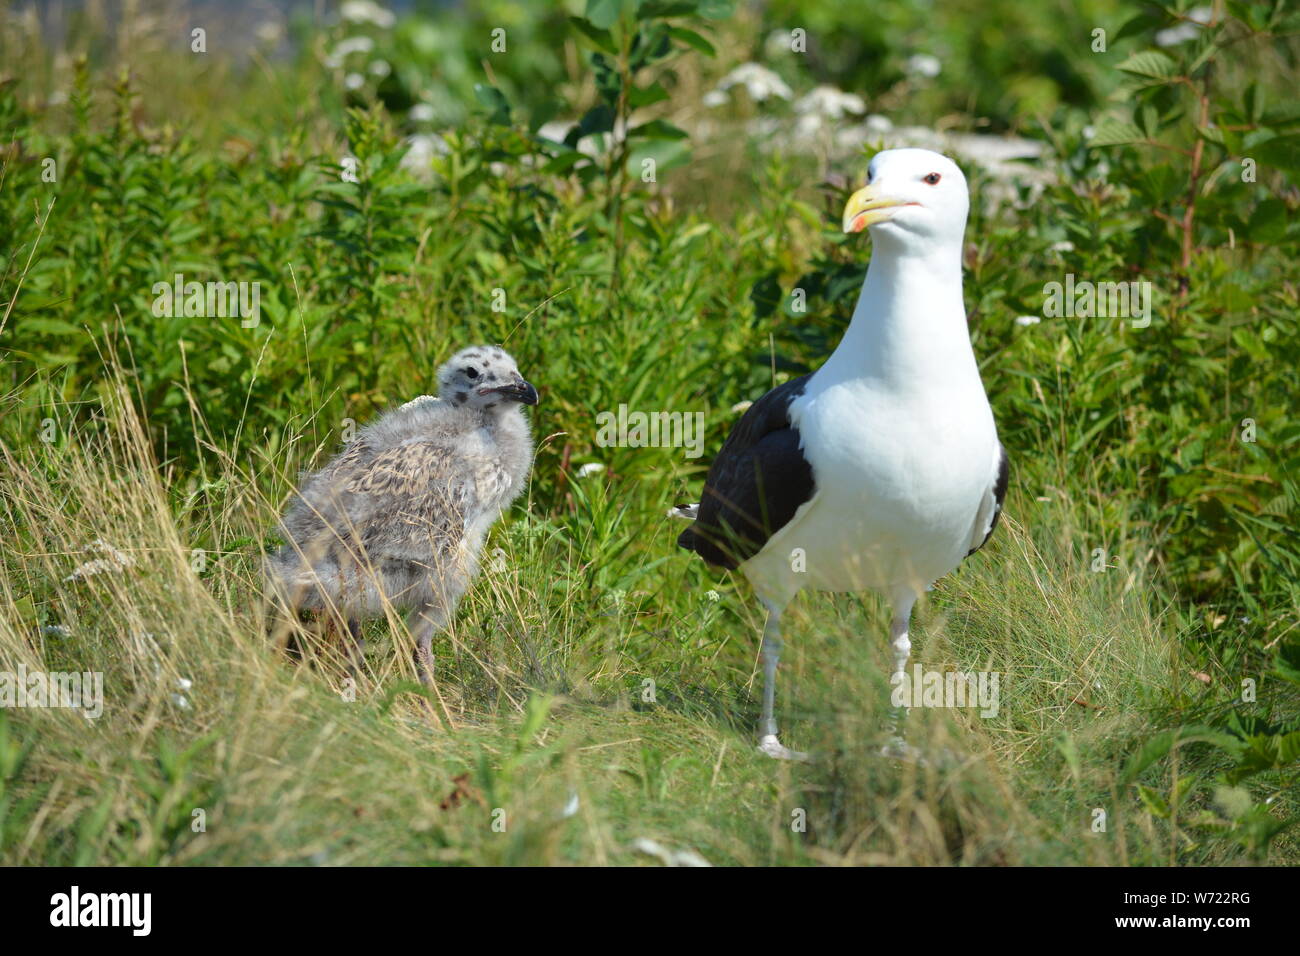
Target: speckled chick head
484 377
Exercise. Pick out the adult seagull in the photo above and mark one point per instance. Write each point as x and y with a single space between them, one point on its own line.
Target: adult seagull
882 470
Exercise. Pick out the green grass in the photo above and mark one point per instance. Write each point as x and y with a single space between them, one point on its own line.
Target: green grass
596 660
541 695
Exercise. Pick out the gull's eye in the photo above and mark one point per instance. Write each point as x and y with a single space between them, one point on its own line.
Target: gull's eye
471 372
932 179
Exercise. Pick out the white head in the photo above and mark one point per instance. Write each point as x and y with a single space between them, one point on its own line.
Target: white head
914 200
484 377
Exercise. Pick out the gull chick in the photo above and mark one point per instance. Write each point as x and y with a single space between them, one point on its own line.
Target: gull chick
400 515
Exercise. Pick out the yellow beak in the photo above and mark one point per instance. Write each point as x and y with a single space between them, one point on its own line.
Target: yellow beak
866 207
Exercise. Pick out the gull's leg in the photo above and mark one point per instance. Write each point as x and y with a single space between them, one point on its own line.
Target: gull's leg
901 645
898 638
771 653
356 650
426 620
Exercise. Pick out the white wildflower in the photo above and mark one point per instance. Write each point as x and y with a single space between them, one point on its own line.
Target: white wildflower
590 468
555 130
421 113
366 11
713 596
829 102
923 64
380 68
760 82
346 48
1027 320
715 98
777 43
114 560
421 148
808 126
353 81
1184 31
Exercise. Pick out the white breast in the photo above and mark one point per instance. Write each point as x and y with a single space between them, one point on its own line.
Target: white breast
899 484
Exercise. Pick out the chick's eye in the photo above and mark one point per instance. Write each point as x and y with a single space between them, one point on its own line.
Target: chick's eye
471 372
932 179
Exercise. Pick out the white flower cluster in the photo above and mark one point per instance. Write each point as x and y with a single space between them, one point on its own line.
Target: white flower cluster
113 560
759 82
366 11
358 48
1188 30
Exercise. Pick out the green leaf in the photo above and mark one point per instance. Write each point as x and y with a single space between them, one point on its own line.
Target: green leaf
1280 152
659 129
1113 132
1208 48
652 45
693 40
609 82
49 326
717 9
603 14
667 154
1142 23
1162 744
1256 100
495 101
1268 222
564 162
1150 63
1255 15
667 8
601 39
598 119
1287 663
1149 121
643 96
1154 802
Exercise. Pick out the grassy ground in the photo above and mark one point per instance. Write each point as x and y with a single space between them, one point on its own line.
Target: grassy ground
542 698
599 685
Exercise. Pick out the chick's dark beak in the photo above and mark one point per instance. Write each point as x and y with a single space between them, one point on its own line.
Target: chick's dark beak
519 391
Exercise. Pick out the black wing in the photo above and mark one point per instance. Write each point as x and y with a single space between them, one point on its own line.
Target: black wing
756 484
999 495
